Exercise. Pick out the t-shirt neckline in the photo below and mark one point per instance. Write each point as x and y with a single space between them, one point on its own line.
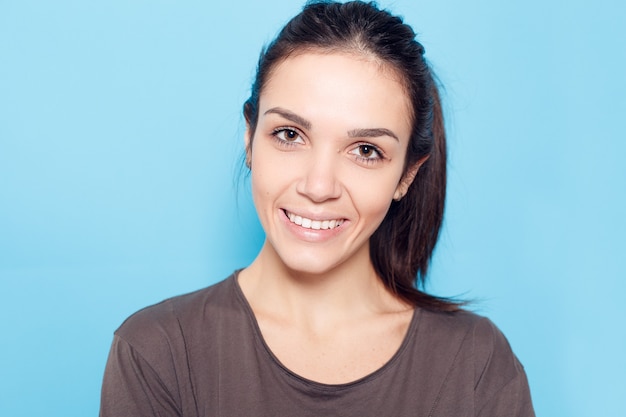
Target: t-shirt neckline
260 340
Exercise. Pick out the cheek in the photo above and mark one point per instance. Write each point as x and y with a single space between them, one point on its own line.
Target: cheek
267 176
372 195
262 184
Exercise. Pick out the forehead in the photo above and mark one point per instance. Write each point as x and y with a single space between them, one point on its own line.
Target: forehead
355 88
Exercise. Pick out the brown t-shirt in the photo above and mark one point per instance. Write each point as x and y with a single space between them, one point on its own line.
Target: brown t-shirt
202 354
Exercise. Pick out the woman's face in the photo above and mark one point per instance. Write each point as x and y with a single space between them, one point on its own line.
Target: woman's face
327 157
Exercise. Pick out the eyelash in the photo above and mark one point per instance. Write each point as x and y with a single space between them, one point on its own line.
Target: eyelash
365 160
285 142
379 153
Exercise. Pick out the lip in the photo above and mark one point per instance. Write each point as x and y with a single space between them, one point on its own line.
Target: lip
310 234
318 222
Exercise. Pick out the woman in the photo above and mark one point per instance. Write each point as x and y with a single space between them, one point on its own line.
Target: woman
346 147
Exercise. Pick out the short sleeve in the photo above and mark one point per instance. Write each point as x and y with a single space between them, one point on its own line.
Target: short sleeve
501 387
132 387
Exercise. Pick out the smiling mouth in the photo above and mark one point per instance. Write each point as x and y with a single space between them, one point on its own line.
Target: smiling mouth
313 224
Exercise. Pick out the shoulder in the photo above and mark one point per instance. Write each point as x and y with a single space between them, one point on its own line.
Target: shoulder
478 354
476 332
149 327
148 371
469 344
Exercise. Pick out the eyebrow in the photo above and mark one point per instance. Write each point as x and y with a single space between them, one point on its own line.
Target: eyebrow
372 133
354 133
292 117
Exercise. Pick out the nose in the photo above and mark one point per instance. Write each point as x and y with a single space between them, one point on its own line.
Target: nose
319 181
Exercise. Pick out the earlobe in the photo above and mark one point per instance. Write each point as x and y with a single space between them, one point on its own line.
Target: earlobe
407 179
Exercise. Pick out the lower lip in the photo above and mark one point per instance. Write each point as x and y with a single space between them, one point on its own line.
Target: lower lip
311 235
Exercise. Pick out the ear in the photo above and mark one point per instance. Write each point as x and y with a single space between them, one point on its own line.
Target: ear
407 179
248 144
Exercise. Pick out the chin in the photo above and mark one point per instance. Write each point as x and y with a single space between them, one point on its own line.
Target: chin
319 262
308 266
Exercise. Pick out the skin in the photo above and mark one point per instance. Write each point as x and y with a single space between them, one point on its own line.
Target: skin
329 147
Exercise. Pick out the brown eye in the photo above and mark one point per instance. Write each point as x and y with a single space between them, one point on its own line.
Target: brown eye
288 136
366 151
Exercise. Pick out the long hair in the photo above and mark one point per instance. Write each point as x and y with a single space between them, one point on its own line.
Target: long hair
402 246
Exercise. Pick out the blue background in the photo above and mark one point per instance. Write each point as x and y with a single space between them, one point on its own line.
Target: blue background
120 160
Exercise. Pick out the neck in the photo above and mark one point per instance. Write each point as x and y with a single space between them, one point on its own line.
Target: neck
349 289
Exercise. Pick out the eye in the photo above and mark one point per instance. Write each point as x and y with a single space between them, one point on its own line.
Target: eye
367 152
288 135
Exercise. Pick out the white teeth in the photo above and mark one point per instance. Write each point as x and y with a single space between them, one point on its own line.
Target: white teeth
313 224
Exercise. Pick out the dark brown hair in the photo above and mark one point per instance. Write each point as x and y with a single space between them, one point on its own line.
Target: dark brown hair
401 248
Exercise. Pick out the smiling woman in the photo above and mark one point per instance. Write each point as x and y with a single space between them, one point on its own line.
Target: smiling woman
313 162
346 148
